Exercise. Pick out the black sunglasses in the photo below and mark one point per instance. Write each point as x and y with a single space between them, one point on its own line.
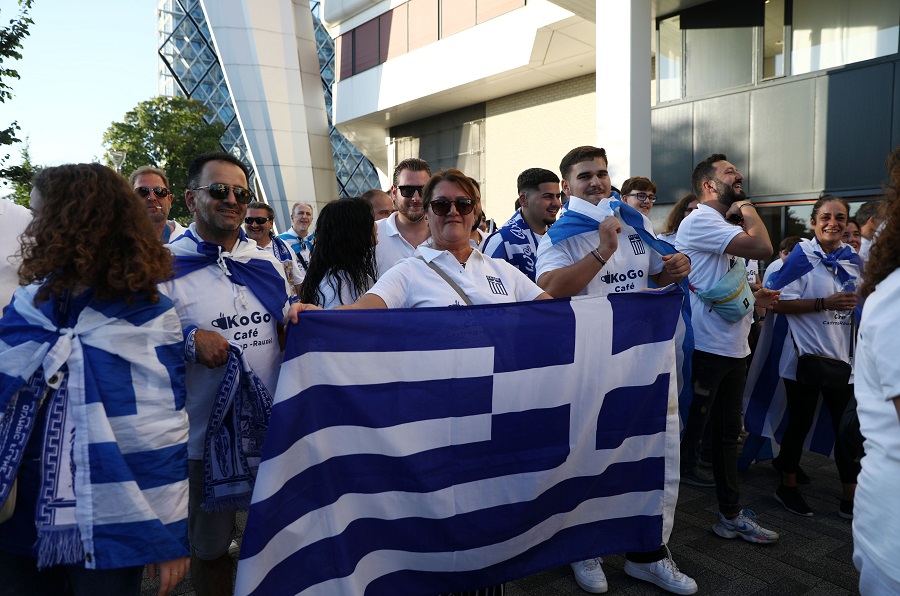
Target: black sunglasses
441 207
144 191
219 192
409 191
257 220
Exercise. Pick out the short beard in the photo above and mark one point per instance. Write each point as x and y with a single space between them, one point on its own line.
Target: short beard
727 196
413 219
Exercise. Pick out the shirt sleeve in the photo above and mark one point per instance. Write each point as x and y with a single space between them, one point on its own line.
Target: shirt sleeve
393 285
885 344
551 257
706 232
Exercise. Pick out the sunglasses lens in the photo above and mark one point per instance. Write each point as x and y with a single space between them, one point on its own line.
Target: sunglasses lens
218 191
465 206
408 192
440 208
161 191
257 220
142 191
243 195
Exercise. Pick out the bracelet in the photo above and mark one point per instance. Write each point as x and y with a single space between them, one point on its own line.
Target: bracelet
819 304
747 205
599 257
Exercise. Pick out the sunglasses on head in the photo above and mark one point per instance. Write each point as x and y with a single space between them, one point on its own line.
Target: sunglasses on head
144 191
442 206
256 220
219 192
407 192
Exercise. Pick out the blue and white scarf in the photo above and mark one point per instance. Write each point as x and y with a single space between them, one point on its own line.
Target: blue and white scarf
765 400
114 463
243 265
515 243
234 437
572 223
298 244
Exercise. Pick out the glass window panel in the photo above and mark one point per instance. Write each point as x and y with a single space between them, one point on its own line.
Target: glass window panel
365 46
488 9
457 16
797 223
829 33
668 60
773 40
718 58
344 54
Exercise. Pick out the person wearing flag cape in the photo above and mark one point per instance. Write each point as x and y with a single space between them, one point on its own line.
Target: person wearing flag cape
231 297
815 315
600 245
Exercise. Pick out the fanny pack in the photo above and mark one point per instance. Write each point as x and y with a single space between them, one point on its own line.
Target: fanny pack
731 297
822 371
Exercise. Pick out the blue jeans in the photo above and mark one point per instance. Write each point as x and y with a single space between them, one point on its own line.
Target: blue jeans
19 576
718 383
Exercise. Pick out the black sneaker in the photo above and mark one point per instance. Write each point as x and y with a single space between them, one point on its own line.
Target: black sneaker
846 510
793 501
697 477
802 478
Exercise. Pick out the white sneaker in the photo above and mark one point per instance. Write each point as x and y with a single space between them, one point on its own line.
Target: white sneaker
664 573
589 575
234 548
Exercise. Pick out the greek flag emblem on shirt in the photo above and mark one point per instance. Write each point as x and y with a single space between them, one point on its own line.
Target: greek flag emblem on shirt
636 244
496 285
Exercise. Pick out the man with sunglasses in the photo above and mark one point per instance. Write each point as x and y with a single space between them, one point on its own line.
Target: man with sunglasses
405 229
152 185
517 240
226 292
592 250
258 225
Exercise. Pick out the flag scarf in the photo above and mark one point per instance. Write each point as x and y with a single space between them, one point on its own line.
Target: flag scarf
114 467
515 243
571 223
420 451
244 266
765 400
235 435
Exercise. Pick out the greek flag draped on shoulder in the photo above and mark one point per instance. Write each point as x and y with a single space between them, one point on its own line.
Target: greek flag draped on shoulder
296 242
571 223
235 435
114 468
480 464
243 265
765 400
515 243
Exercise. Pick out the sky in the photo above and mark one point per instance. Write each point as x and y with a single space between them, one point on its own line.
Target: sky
84 65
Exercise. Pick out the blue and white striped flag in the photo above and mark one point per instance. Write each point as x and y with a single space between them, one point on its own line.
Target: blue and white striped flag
420 451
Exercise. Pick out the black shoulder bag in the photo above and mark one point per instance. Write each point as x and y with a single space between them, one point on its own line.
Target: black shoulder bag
822 371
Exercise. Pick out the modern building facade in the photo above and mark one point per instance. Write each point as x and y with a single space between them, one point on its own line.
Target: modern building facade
802 95
277 133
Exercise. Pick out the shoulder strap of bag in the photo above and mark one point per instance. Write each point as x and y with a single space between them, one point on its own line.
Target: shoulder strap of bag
447 279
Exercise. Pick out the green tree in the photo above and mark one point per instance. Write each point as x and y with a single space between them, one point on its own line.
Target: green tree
11 37
19 177
165 132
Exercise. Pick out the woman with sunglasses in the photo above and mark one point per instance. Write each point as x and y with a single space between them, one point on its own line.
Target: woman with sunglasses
93 390
422 280
343 266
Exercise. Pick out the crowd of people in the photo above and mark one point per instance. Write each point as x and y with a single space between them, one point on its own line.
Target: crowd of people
156 347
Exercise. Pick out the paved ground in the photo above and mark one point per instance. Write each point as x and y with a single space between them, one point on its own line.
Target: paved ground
813 556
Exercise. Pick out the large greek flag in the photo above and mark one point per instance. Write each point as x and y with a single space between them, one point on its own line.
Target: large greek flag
419 451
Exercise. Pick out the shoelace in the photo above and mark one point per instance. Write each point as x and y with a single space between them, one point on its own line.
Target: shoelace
670 562
591 564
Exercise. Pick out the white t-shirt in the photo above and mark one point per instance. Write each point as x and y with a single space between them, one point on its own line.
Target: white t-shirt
704 237
825 333
876 508
626 270
347 296
772 268
13 221
391 245
206 298
411 283
864 247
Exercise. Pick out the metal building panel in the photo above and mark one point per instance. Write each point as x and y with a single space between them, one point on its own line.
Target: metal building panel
722 125
782 138
671 161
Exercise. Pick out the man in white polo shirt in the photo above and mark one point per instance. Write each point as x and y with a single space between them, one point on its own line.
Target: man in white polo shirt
400 233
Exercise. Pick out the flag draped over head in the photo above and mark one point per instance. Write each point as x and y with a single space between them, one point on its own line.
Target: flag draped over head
501 440
571 223
765 400
114 486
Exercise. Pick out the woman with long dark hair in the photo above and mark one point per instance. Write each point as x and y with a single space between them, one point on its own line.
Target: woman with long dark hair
342 267
682 209
93 429
876 525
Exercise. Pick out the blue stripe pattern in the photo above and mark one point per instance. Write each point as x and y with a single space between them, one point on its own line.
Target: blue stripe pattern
504 465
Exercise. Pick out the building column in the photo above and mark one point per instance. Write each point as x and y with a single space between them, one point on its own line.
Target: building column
624 32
